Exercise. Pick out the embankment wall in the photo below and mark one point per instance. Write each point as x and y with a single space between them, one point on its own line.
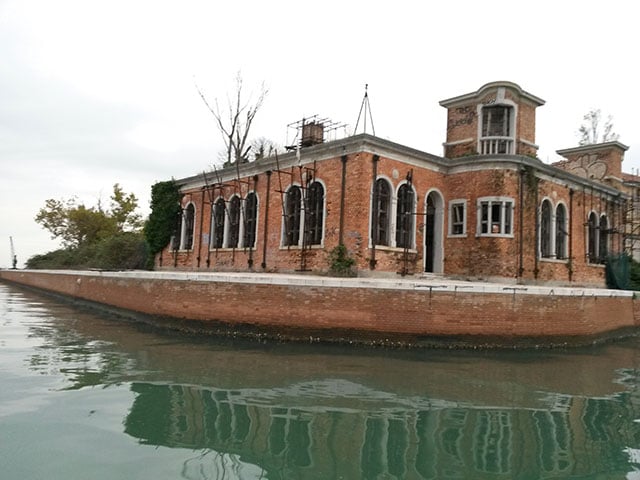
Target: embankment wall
407 311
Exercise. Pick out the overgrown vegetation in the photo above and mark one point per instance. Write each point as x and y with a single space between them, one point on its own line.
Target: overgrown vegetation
93 237
340 263
165 211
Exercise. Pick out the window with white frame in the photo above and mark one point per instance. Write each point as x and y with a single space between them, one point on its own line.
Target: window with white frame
405 217
546 229
188 225
314 214
234 222
381 213
561 232
458 217
495 216
292 216
497 130
250 220
217 223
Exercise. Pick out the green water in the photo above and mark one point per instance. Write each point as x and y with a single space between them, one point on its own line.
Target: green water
87 396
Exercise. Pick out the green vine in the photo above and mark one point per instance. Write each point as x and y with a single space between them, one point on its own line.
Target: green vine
165 207
340 263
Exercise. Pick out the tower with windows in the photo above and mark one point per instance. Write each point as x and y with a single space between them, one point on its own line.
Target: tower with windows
498 119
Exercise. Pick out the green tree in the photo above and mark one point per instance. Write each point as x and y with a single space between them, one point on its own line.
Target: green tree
77 225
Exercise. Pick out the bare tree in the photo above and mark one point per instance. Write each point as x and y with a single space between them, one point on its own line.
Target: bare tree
234 121
262 147
590 130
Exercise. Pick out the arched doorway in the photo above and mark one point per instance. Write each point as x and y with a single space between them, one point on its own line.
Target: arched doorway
434 208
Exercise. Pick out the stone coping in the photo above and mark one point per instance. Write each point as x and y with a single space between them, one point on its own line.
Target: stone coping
431 284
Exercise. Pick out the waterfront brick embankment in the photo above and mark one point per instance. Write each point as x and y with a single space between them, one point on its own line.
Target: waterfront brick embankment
400 311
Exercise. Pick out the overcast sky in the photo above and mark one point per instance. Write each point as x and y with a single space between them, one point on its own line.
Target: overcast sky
95 92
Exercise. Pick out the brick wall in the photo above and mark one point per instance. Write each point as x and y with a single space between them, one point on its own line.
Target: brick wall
330 309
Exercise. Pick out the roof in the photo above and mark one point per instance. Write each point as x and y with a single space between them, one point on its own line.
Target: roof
451 102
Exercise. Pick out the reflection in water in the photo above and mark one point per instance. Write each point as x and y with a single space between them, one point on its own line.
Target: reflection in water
581 436
244 410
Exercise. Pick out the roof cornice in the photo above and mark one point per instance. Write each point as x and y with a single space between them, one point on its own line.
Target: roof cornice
592 147
461 99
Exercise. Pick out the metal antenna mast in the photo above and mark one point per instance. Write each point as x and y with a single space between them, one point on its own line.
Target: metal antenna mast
367 109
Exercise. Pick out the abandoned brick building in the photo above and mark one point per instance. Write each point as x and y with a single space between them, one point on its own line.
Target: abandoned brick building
488 208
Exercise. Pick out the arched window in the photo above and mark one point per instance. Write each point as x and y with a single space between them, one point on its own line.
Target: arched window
217 223
250 220
314 214
603 243
546 235
188 225
380 213
292 202
561 232
234 222
404 217
592 238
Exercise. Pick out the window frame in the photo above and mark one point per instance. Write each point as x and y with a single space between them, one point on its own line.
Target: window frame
405 218
249 235
547 230
381 217
506 208
292 217
218 223
462 223
561 232
314 214
187 233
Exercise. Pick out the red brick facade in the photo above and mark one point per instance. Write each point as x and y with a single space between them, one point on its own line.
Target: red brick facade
359 310
488 209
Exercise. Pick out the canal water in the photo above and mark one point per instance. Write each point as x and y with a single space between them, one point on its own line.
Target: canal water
84 395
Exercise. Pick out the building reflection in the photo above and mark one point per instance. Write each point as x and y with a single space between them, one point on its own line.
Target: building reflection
442 441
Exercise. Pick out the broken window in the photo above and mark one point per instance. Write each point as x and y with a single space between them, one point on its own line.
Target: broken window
495 216
457 217
217 223
380 220
188 225
404 217
546 234
251 220
292 213
314 214
561 232
234 222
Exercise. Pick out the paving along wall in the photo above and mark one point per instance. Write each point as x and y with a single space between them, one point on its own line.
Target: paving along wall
359 310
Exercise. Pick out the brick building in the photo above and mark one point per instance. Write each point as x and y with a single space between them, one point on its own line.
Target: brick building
488 208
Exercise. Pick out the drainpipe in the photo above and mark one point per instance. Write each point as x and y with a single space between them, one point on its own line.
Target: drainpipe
250 261
521 226
200 229
571 192
342 195
266 223
374 213
537 233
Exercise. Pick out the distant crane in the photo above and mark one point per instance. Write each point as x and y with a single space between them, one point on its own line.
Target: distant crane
14 258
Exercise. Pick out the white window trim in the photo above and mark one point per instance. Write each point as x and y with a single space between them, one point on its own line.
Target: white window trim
394 208
508 206
183 228
391 220
452 203
283 246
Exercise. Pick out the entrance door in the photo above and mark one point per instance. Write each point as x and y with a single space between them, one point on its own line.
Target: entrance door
433 233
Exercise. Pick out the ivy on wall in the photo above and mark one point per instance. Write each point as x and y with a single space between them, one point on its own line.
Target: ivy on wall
165 207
